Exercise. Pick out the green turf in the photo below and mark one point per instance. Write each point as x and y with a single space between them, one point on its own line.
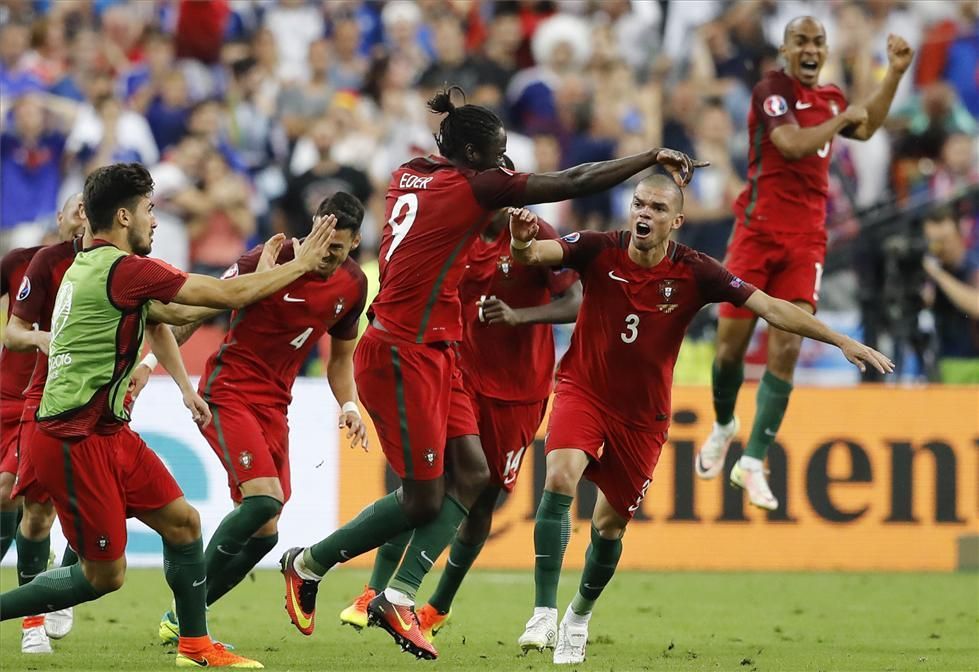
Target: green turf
645 621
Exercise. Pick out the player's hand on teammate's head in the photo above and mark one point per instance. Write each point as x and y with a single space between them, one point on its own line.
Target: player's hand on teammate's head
679 165
860 355
316 245
270 252
356 430
199 410
899 53
523 224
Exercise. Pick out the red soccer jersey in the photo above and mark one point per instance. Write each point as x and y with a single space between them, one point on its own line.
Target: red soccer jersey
36 305
269 340
17 366
782 195
134 281
491 272
434 212
632 320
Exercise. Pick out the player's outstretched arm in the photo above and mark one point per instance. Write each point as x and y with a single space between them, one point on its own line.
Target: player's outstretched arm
340 374
794 142
524 246
589 178
201 290
899 56
789 317
20 336
166 350
561 309
178 314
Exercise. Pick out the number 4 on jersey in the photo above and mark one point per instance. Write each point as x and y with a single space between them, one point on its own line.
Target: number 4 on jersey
406 205
298 341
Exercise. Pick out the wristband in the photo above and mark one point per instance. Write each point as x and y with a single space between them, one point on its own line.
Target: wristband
520 244
350 407
149 361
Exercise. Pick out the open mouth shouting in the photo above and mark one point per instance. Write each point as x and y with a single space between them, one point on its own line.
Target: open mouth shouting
643 230
809 66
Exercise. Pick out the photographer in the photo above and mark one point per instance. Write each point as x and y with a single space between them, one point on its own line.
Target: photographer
955 274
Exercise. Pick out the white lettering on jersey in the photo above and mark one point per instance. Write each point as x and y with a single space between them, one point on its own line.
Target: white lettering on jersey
409 181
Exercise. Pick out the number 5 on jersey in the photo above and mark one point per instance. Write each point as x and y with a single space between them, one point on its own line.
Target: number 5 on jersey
407 207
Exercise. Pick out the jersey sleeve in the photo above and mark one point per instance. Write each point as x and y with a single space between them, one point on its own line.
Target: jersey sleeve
558 279
135 280
581 247
11 261
346 329
717 284
772 100
30 301
498 187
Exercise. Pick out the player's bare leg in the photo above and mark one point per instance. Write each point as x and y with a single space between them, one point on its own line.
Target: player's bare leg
9 510
733 338
466 547
552 531
467 475
33 552
773 399
601 559
183 560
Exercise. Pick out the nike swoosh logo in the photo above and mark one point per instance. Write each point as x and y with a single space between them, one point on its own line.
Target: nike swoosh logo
199 663
289 299
397 614
426 558
799 105
700 464
221 550
770 432
200 583
612 275
538 555
304 622
449 560
344 555
591 587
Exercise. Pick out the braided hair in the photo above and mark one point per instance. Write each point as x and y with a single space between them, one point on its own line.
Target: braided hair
466 125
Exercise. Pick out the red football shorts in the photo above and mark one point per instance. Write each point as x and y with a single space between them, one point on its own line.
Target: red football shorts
785 266
99 482
622 458
506 431
27 484
9 430
415 396
251 441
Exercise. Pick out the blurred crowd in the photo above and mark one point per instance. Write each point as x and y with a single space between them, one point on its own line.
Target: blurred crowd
249 112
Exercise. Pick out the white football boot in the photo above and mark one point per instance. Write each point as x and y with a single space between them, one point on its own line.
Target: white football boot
541 630
710 459
752 480
572 638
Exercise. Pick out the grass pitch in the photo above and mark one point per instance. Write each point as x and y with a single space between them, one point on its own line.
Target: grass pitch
645 621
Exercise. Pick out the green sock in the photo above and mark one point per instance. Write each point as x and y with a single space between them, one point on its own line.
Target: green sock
427 544
70 557
773 398
235 531
461 558
49 591
552 531
600 560
184 568
32 557
378 523
387 560
726 381
8 528
238 567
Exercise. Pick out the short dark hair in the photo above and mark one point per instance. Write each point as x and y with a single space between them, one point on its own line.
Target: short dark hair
109 188
939 214
662 180
347 208
466 125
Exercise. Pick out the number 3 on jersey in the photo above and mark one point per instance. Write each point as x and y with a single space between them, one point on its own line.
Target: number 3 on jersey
631 332
406 205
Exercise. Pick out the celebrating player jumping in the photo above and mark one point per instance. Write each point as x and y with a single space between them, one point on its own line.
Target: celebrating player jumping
612 400
779 240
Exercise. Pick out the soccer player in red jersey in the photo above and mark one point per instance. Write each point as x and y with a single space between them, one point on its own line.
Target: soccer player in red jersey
779 239
95 468
19 365
612 400
248 385
507 310
405 365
